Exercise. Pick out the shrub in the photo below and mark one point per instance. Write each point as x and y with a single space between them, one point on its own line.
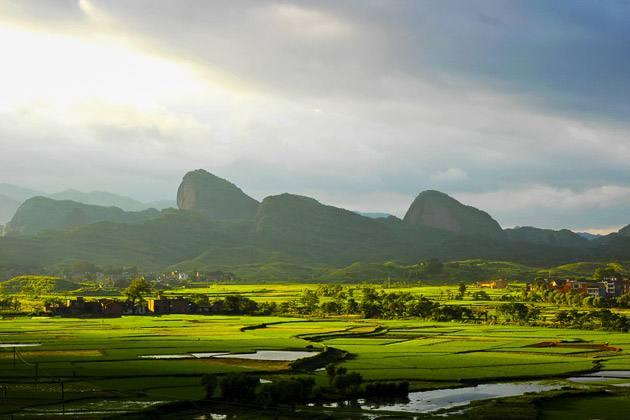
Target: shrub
348 382
387 390
238 387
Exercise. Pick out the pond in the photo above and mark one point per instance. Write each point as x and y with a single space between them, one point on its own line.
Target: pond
429 401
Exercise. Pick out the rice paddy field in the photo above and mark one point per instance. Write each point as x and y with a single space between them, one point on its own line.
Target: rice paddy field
101 367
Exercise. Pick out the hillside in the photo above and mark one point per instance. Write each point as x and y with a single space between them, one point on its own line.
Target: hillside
172 237
561 238
437 210
221 228
39 213
35 285
301 226
214 197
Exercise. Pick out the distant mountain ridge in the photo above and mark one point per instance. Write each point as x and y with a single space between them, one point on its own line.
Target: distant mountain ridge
18 193
40 213
218 225
102 198
11 196
563 237
588 235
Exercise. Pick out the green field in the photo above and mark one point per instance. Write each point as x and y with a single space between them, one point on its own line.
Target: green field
99 360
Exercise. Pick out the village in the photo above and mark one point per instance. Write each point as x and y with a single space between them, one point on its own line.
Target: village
609 288
160 305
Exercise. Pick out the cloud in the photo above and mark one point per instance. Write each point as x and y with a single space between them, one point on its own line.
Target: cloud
304 22
601 208
450 175
514 108
544 196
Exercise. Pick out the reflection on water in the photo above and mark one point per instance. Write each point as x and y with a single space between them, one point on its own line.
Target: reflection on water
610 374
604 377
429 401
276 355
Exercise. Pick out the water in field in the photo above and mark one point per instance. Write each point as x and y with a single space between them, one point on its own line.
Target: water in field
608 377
16 345
610 374
430 401
207 354
274 355
167 356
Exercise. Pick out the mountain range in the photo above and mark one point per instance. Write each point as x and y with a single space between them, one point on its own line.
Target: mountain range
11 196
217 226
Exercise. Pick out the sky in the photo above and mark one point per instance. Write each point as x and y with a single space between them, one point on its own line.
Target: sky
519 108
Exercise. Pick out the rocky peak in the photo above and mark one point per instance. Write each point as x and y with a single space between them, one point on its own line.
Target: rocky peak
440 211
215 197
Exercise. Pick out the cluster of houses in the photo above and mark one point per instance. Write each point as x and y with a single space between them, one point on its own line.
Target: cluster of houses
195 276
115 308
606 288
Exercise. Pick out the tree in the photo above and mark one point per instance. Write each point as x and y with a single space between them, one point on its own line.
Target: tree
348 382
238 387
481 295
462 289
136 291
239 305
309 301
608 272
331 370
210 383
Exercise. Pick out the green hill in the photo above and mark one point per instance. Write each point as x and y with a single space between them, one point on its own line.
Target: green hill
37 285
561 238
306 229
39 213
580 269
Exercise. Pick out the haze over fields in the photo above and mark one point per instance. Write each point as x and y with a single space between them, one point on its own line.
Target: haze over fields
516 108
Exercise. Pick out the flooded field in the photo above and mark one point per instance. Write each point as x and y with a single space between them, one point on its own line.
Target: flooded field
430 401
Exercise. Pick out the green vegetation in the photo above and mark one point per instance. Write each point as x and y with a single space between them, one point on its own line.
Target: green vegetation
36 285
39 213
219 228
105 359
